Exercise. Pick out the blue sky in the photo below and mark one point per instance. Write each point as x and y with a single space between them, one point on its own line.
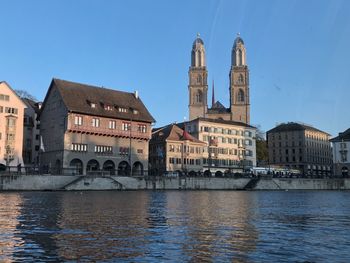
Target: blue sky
297 51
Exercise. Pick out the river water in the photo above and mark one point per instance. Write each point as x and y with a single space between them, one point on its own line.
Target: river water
175 226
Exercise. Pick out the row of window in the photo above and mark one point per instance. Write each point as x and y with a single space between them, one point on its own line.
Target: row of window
224 131
243 152
226 162
101 149
188 149
4 97
109 107
246 142
188 161
300 136
95 122
9 110
313 159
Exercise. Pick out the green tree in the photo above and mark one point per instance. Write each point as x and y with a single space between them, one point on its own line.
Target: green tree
261 148
23 94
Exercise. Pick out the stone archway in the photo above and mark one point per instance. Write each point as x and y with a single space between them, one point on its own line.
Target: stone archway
218 174
137 169
207 173
77 165
192 173
2 167
109 166
124 168
92 166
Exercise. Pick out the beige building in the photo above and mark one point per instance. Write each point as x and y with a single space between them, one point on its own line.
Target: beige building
87 129
299 146
174 150
31 135
230 147
11 127
341 153
239 109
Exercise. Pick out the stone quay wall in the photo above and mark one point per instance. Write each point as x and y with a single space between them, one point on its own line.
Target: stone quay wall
85 183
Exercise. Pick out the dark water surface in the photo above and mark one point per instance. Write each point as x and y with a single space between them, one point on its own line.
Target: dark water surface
175 226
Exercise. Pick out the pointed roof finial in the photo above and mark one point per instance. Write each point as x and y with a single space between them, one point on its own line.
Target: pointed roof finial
198 35
238 34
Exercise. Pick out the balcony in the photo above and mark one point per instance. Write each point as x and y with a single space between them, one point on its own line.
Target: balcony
107 132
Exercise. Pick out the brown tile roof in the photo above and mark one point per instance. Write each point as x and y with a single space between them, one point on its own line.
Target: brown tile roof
174 133
343 136
78 98
294 126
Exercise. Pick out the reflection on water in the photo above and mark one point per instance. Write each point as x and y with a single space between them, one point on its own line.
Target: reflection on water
175 226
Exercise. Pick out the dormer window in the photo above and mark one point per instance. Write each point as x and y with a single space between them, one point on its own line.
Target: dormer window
121 109
92 104
108 107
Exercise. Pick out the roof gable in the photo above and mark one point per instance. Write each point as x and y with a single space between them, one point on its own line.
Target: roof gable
343 136
110 103
14 92
173 133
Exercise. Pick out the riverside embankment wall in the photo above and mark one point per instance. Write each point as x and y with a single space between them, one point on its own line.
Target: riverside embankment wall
82 183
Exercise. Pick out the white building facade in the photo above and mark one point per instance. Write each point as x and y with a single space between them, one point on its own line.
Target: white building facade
341 153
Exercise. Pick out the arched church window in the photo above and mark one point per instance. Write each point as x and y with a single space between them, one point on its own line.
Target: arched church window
199 79
199 96
240 58
240 78
199 59
240 96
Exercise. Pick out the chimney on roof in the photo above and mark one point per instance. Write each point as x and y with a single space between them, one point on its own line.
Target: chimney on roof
136 94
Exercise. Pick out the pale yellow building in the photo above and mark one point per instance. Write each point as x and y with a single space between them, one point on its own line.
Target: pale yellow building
11 127
231 145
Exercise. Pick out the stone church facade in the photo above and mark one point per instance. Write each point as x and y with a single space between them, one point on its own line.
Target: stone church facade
239 109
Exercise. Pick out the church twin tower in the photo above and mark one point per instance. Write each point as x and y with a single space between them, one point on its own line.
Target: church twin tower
239 109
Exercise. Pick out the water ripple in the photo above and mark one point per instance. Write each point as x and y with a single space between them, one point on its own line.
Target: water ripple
172 226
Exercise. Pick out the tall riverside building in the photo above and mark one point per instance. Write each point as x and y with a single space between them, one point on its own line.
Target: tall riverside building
299 146
11 126
341 153
230 145
87 129
31 135
239 109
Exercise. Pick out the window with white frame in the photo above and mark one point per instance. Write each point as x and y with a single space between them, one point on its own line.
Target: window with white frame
95 122
79 147
142 128
112 125
4 97
78 120
103 149
126 126
121 109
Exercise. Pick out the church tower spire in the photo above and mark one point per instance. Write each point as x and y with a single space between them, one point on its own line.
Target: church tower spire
239 83
213 97
197 87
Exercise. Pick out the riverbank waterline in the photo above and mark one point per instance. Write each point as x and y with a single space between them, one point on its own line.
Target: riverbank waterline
175 226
